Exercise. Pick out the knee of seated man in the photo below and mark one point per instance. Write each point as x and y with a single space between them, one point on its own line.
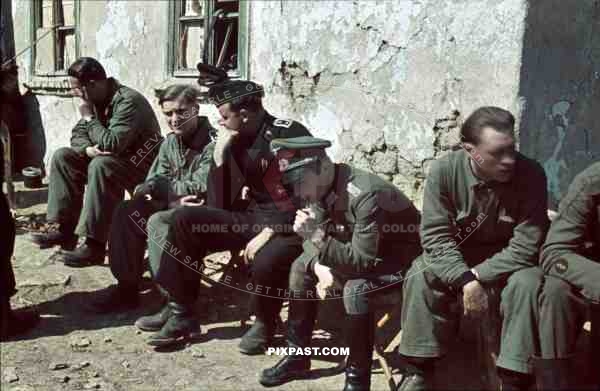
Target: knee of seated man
298 274
61 156
100 165
525 282
555 292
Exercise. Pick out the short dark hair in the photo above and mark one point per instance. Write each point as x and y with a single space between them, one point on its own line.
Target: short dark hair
87 68
187 92
249 102
488 116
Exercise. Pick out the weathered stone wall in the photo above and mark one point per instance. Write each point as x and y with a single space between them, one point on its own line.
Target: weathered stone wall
377 78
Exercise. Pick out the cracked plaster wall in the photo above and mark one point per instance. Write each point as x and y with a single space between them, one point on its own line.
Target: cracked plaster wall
379 78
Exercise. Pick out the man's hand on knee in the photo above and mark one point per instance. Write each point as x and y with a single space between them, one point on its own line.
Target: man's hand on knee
257 243
94 151
475 299
326 279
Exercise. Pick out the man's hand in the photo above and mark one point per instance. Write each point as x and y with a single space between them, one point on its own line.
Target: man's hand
86 109
188 200
257 242
94 151
325 277
475 299
225 139
305 223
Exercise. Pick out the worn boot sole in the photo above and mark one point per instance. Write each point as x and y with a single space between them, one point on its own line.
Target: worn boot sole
165 342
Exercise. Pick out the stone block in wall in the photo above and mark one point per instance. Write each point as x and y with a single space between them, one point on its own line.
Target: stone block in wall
385 162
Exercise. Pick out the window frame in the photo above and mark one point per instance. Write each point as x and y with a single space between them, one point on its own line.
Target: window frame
174 15
35 22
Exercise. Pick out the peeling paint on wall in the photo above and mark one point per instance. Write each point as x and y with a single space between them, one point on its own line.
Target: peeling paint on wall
113 32
378 79
375 77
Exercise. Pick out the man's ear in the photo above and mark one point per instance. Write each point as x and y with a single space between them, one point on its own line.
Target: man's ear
244 114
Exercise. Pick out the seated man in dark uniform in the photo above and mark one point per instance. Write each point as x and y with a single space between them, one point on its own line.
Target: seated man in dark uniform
359 231
112 146
242 157
484 220
571 260
178 177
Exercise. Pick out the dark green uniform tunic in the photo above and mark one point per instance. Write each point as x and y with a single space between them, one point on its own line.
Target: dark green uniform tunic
229 224
126 127
571 260
372 228
495 228
371 240
181 168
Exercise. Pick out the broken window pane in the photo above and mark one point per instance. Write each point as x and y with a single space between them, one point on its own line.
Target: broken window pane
193 7
190 44
192 22
226 36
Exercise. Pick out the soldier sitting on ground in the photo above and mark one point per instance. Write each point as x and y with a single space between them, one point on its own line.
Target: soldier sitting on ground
571 260
112 147
484 220
178 178
242 157
359 231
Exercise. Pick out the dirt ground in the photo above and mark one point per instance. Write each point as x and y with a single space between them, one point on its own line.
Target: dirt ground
108 353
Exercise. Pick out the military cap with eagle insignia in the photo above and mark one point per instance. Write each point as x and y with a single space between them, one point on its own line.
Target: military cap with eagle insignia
296 154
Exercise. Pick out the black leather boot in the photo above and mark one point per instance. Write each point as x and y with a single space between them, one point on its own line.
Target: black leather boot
360 334
301 322
180 326
553 374
88 254
15 322
418 372
116 298
154 322
514 381
260 335
412 382
61 236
